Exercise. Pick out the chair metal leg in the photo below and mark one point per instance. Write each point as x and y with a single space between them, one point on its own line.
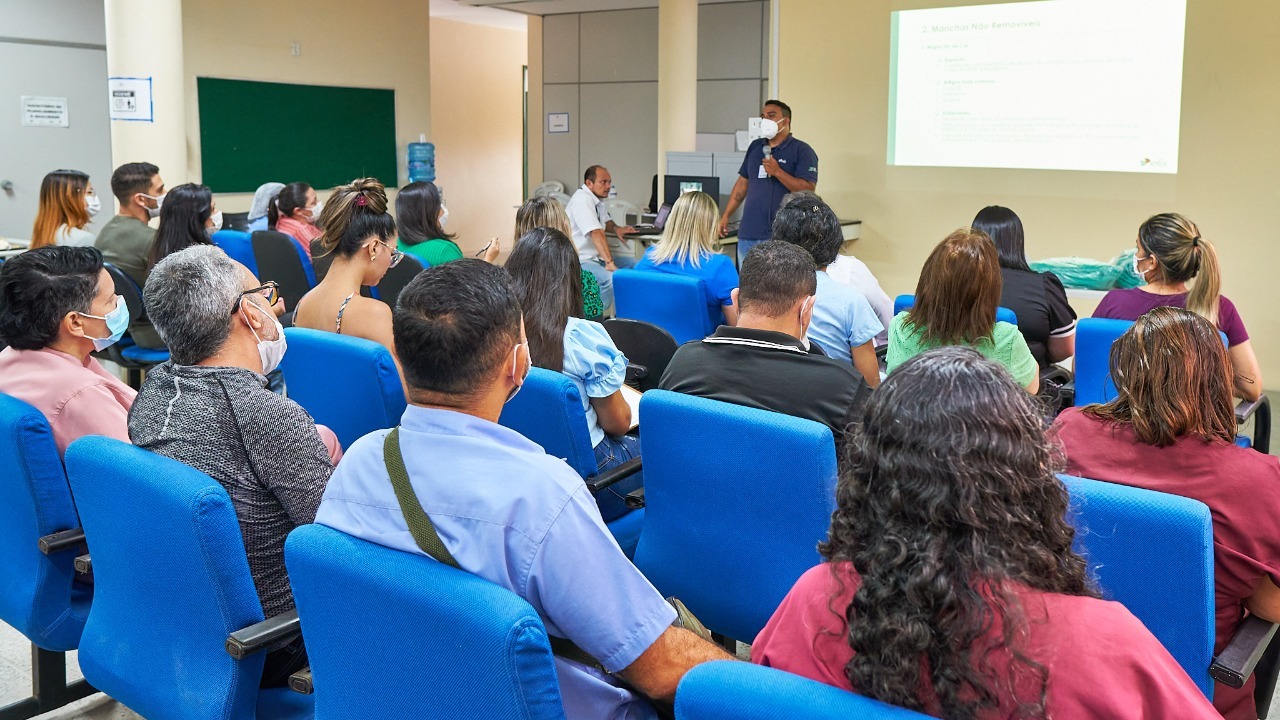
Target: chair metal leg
49 687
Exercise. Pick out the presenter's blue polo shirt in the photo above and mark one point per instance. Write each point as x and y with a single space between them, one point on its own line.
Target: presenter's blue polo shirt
764 193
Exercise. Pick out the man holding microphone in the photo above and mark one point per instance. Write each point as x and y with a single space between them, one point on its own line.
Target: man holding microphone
775 165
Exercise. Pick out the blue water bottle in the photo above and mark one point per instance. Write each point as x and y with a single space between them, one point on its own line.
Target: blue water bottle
422 160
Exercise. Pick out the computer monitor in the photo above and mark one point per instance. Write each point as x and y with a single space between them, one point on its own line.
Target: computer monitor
677 185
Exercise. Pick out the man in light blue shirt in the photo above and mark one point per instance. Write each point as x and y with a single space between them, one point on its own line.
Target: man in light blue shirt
504 509
844 323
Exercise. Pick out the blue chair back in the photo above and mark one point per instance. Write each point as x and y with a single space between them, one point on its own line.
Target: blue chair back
548 411
1153 553
349 384
38 597
379 621
736 501
727 690
171 582
238 246
675 303
1094 337
906 302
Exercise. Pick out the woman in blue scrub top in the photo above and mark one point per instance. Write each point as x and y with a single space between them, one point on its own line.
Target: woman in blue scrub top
688 246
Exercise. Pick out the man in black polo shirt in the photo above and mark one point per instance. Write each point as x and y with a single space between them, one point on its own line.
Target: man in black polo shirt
765 362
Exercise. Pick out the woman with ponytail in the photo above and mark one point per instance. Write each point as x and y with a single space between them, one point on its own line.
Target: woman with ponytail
361 236
1171 254
951 586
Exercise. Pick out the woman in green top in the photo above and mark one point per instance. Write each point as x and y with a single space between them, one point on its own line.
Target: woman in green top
420 218
956 301
548 212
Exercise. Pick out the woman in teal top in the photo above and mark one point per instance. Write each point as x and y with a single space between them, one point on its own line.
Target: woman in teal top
956 301
420 218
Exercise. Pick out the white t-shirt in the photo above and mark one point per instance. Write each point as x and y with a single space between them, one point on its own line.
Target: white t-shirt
853 273
586 215
73 237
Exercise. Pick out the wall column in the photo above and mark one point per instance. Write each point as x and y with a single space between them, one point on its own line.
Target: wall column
144 39
677 79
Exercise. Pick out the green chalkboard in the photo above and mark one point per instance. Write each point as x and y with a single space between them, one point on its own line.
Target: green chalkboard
257 132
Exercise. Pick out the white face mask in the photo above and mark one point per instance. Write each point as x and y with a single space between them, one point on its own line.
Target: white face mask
768 128
92 205
315 213
515 353
270 352
1136 271
217 221
155 211
444 216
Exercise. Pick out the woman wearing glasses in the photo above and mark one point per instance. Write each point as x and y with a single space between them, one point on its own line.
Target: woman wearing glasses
361 236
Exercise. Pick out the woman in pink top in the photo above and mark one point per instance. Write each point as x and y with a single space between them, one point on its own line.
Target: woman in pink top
1171 429
296 213
951 586
57 305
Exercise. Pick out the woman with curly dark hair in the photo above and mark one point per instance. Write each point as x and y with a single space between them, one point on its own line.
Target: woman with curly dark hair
951 586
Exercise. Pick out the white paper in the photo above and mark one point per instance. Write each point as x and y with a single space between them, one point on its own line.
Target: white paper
130 99
44 112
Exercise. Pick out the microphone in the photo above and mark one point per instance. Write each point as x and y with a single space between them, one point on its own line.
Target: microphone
768 151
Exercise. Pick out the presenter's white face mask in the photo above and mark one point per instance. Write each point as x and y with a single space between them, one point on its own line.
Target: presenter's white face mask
768 128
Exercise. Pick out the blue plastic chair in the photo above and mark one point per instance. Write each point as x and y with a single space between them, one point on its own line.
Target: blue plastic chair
736 501
396 635
548 411
349 384
39 597
1153 553
906 302
675 303
238 246
172 583
126 353
727 690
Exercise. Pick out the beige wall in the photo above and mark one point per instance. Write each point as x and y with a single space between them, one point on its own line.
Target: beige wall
1229 164
534 61
376 43
476 101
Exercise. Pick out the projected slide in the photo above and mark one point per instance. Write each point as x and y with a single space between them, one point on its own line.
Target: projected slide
1053 84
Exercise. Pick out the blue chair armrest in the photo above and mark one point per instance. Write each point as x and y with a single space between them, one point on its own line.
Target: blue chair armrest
259 636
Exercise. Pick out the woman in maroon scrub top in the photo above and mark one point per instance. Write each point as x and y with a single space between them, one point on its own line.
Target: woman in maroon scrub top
1170 429
951 586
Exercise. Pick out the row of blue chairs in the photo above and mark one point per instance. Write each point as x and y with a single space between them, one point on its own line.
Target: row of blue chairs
168 592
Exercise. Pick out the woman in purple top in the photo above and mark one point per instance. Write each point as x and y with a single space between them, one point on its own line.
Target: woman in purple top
1171 253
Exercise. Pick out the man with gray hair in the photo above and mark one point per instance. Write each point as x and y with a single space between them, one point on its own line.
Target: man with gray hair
209 407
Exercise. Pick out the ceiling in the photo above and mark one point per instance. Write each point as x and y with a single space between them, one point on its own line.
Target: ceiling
478 15
556 7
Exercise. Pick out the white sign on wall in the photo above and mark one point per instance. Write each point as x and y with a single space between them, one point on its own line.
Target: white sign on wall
44 112
557 122
131 99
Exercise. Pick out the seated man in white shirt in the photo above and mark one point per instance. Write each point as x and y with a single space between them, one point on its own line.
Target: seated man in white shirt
504 509
591 225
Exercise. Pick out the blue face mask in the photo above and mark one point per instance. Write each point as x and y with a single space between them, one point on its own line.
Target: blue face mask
117 322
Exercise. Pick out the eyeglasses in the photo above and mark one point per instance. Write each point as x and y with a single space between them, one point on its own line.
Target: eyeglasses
269 290
396 255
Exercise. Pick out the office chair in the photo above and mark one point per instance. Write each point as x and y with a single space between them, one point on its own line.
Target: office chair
281 258
648 348
727 690
238 222
40 537
379 622
172 589
126 353
675 303
349 384
736 501
238 245
398 278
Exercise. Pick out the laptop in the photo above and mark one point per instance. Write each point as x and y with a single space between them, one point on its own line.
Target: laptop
659 222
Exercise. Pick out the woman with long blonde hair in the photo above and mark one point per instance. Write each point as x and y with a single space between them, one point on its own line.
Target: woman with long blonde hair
1181 269
688 247
67 202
